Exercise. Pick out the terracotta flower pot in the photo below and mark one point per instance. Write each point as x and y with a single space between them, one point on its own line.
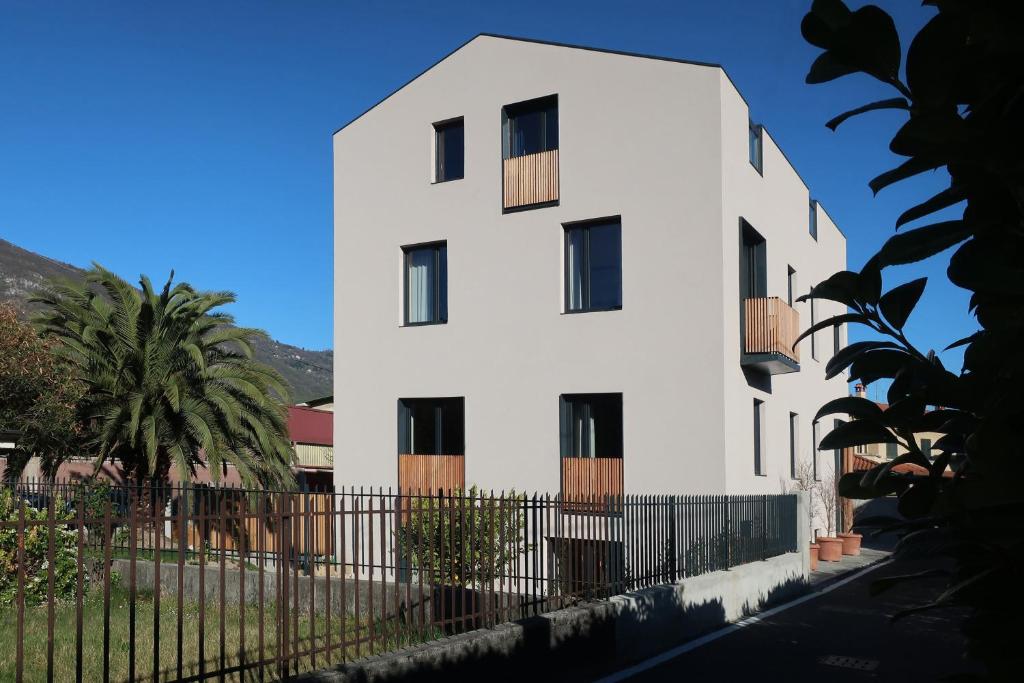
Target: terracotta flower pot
831 549
851 543
814 556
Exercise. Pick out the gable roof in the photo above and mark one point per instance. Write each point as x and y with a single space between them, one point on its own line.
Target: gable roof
537 41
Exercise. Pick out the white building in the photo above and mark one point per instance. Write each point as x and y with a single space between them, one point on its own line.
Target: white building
545 251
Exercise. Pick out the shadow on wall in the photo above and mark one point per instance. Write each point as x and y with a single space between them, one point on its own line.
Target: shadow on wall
576 643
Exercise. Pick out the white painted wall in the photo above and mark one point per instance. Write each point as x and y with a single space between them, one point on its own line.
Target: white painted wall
662 144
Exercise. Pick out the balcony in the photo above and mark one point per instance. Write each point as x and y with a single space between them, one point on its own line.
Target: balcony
427 474
313 456
531 179
770 326
588 483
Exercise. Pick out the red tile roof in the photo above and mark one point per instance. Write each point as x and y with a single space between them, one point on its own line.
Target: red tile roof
306 425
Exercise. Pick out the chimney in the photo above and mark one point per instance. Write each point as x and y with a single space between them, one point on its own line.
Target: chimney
860 391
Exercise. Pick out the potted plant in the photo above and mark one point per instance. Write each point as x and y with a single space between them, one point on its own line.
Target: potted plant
851 542
815 548
831 547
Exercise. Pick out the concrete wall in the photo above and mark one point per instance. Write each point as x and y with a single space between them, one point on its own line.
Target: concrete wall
571 643
661 144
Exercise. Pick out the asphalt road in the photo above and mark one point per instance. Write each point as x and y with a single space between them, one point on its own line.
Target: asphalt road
841 635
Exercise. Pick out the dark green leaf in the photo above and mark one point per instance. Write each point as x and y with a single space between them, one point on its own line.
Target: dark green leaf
919 499
847 355
882 363
820 24
869 283
898 303
831 322
948 197
893 103
841 287
907 169
856 433
854 406
827 68
920 243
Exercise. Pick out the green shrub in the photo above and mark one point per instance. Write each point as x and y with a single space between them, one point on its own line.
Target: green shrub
36 568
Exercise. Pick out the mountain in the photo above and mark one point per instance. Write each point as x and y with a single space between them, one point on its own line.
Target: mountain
308 372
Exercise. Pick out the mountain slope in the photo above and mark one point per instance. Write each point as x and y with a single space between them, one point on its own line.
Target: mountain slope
308 372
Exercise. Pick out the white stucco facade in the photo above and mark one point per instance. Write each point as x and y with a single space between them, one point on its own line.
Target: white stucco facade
661 144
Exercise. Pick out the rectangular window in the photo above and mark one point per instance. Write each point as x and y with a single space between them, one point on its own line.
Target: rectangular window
926 448
814 336
449 152
837 338
530 127
759 468
791 289
837 455
815 440
426 284
794 445
593 266
756 145
891 451
812 219
590 425
431 426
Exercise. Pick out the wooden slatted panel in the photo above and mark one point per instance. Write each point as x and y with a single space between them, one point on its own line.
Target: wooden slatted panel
255 528
430 473
531 179
587 480
772 326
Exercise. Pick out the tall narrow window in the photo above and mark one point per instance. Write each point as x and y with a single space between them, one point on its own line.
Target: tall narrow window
593 266
791 289
837 338
814 336
756 145
759 468
812 218
590 425
837 455
530 127
926 448
449 152
426 284
815 440
794 446
891 451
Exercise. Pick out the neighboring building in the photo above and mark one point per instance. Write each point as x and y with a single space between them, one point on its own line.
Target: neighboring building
560 268
880 452
325 403
310 431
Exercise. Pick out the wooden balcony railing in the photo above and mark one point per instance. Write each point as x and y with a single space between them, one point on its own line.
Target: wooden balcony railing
309 455
429 473
588 482
771 326
531 179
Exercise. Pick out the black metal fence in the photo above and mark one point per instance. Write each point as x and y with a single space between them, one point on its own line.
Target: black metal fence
186 583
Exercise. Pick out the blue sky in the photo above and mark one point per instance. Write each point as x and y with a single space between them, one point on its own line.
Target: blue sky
196 136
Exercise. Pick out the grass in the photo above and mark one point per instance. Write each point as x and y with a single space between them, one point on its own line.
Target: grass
387 636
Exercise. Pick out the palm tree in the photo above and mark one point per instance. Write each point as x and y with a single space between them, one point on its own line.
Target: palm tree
170 382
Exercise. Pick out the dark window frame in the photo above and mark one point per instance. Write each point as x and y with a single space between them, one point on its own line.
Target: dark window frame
543 105
760 469
440 129
585 293
815 439
567 403
812 218
755 146
440 313
791 285
794 444
441 404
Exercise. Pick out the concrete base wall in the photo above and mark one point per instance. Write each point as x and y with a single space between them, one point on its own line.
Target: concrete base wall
577 641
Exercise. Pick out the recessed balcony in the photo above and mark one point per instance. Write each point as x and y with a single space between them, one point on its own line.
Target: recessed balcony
770 328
